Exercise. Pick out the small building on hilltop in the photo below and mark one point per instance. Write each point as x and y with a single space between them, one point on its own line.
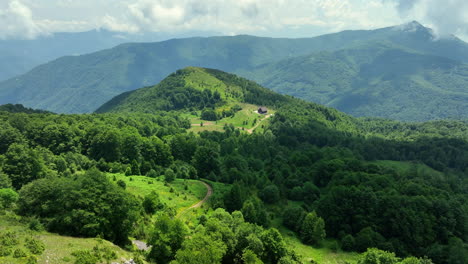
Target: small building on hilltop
262 110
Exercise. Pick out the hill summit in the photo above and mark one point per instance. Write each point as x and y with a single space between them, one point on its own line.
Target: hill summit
194 88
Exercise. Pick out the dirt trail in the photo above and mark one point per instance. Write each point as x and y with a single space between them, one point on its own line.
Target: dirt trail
209 192
141 245
250 131
205 123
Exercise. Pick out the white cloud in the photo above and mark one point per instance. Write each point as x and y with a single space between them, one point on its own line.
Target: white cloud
17 21
113 24
157 15
51 26
256 16
291 18
444 17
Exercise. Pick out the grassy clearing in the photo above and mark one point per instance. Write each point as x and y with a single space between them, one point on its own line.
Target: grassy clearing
191 217
406 167
244 119
322 255
179 194
58 249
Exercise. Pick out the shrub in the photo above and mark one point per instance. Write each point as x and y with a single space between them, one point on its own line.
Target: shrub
104 252
7 198
348 243
209 115
4 251
138 259
151 203
85 257
19 253
377 256
35 225
122 184
334 246
31 260
169 175
9 238
35 246
152 174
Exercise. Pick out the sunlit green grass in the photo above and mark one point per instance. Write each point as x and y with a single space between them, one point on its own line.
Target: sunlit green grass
173 194
322 254
58 249
406 167
244 119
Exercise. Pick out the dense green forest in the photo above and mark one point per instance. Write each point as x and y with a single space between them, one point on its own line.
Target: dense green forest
391 190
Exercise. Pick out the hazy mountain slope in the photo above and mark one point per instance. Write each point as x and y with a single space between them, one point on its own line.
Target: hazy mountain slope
374 80
17 56
20 56
83 83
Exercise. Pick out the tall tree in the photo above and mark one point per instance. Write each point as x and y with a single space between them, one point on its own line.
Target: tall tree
201 249
313 229
167 238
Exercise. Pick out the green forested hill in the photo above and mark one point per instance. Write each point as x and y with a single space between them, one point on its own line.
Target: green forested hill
313 184
18 108
77 84
379 79
194 88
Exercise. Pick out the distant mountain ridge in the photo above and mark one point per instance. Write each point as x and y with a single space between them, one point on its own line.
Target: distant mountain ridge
17 56
377 80
78 84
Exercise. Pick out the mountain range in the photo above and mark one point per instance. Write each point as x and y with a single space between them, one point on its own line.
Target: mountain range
392 72
17 56
375 79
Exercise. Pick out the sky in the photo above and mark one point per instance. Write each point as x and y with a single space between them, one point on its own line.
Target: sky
28 19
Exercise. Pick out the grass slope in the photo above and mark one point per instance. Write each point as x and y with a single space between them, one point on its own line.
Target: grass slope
58 249
322 255
179 198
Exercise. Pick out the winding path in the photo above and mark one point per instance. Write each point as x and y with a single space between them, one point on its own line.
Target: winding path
209 192
141 245
250 131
